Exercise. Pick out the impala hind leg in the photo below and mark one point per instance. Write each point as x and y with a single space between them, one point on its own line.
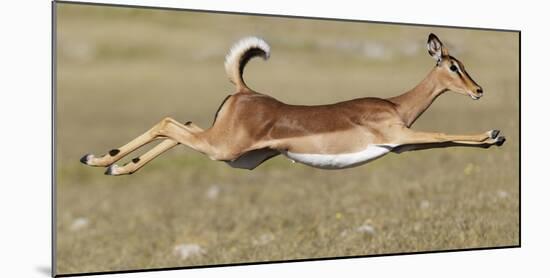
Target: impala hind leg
156 132
138 162
175 134
414 140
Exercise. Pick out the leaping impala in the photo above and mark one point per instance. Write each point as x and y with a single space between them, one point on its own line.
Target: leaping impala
250 128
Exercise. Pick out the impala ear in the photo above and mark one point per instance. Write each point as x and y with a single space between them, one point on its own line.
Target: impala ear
436 48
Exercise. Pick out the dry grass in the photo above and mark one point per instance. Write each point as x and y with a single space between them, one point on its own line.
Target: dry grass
122 70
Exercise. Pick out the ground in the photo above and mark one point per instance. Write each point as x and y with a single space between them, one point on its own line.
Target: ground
120 71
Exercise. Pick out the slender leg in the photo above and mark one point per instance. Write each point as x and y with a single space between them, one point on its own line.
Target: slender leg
410 137
156 132
175 133
425 146
138 162
191 126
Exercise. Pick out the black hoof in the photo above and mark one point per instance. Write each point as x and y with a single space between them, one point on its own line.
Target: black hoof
495 133
500 140
109 170
85 159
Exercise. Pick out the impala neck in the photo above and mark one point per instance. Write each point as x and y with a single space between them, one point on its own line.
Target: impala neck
413 103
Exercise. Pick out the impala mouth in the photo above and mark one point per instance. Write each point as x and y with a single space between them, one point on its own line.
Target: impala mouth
476 97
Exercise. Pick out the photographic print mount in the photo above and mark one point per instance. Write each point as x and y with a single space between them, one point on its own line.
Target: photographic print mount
55 190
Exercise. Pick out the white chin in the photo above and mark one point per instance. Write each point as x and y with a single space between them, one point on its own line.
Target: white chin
474 97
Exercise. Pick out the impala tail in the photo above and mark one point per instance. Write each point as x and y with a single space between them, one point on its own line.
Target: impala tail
239 55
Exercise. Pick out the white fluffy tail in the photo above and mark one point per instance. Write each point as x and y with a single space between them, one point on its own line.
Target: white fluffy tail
241 52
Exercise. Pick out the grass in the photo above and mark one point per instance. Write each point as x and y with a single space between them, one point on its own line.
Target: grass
121 70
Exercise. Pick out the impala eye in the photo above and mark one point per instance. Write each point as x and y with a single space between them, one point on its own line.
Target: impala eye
454 68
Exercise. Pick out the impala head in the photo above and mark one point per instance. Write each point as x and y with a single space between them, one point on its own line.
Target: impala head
451 72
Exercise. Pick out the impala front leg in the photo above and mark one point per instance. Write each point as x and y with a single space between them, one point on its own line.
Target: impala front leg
433 140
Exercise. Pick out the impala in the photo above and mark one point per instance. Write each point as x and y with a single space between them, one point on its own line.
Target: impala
250 128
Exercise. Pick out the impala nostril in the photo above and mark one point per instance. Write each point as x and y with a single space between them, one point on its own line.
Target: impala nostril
479 91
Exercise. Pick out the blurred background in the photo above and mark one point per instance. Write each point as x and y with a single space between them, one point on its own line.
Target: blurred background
121 70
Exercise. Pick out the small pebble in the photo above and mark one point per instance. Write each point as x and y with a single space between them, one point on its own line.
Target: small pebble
263 239
424 204
344 233
367 229
213 192
502 194
79 224
185 251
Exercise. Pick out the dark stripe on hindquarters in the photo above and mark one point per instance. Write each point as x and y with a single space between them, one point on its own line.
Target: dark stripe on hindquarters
114 152
219 108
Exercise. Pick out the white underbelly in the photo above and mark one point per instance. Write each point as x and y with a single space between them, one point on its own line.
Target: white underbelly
340 161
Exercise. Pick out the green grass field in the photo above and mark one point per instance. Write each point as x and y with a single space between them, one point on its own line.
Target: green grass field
119 71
